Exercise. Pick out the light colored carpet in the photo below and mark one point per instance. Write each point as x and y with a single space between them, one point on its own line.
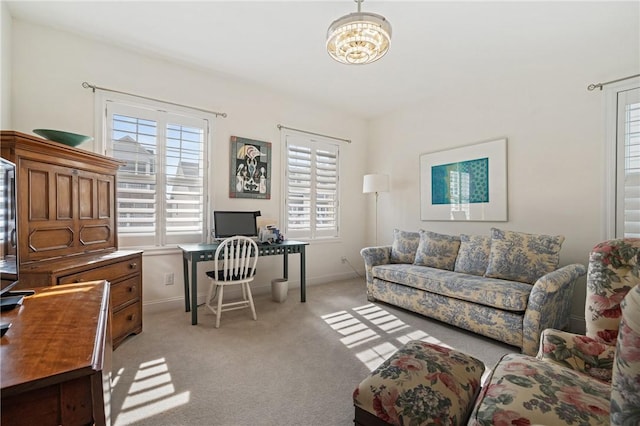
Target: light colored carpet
297 365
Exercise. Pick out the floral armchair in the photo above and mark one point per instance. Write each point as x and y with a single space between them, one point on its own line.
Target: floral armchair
579 380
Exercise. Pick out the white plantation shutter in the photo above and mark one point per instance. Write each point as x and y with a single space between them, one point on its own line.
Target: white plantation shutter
161 189
311 188
629 143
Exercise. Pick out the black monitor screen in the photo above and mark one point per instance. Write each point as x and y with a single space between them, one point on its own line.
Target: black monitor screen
229 224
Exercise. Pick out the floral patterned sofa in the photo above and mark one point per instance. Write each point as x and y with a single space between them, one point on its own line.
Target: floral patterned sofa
578 380
506 285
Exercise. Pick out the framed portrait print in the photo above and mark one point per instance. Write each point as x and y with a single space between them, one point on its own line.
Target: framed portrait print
465 184
250 169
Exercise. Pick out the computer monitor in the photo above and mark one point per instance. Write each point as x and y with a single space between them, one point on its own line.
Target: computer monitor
231 223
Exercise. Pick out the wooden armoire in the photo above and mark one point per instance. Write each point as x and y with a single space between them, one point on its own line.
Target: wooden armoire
67 224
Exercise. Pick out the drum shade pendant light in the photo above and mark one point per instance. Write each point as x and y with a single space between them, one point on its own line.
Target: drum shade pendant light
359 38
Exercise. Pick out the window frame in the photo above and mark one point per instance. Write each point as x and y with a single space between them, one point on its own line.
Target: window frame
611 178
188 117
316 142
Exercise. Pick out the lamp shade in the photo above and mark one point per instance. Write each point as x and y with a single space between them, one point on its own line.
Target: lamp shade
375 183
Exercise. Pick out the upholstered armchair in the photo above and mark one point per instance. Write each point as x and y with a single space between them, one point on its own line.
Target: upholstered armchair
575 379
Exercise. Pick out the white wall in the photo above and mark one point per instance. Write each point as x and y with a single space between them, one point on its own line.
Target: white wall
554 126
555 132
5 67
49 67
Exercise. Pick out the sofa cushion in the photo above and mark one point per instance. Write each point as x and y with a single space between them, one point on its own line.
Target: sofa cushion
473 255
501 294
404 246
437 250
518 256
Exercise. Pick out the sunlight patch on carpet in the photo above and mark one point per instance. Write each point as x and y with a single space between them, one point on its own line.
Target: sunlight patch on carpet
366 325
151 393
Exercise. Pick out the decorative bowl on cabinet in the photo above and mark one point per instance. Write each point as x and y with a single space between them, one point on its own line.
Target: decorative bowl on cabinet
67 138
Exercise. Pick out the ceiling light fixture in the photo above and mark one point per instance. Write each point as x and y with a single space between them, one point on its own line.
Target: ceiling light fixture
359 38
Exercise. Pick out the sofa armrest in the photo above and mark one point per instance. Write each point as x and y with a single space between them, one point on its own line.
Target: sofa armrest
578 352
549 304
374 256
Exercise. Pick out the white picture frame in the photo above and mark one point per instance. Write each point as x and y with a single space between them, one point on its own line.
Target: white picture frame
468 183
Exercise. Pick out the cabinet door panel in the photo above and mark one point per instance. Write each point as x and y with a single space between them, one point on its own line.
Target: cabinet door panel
97 210
47 239
38 193
64 196
106 201
85 192
95 234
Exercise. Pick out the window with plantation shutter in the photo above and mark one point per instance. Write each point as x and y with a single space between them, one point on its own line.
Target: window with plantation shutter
311 187
622 214
161 189
629 176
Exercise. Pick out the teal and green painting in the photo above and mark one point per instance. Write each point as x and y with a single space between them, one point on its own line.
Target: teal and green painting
465 182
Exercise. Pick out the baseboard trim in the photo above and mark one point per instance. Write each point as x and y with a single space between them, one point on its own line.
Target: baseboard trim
177 302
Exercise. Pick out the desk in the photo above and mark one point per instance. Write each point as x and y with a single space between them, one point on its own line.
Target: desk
205 252
56 357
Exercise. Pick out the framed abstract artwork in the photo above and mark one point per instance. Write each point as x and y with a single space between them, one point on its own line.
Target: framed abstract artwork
250 169
465 184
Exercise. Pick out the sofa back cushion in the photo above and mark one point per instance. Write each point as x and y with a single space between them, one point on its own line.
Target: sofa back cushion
517 256
613 271
473 255
437 250
404 246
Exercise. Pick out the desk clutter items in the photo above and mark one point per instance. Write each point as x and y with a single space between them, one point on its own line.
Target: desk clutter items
67 138
270 234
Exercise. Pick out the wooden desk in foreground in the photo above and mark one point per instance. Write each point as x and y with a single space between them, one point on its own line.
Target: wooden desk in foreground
55 360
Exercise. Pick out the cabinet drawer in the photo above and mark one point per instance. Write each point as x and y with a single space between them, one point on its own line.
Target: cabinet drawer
125 291
109 272
126 321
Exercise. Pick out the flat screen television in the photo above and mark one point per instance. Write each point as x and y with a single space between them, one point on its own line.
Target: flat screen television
8 227
231 223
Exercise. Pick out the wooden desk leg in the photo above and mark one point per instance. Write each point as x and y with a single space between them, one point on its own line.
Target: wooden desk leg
185 272
303 276
194 291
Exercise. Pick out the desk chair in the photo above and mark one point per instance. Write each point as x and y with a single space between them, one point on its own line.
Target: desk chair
236 259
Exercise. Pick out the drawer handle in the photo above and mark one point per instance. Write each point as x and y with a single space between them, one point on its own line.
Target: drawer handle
132 289
131 317
78 280
133 265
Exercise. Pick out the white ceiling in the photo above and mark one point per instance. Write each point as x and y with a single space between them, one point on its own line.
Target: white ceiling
436 46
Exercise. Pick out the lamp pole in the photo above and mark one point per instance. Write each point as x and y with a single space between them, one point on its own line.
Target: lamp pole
375 183
376 231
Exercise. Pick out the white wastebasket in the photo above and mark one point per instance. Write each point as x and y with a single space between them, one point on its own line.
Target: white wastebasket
279 288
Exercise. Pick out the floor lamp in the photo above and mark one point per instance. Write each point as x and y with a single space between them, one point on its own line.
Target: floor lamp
375 183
